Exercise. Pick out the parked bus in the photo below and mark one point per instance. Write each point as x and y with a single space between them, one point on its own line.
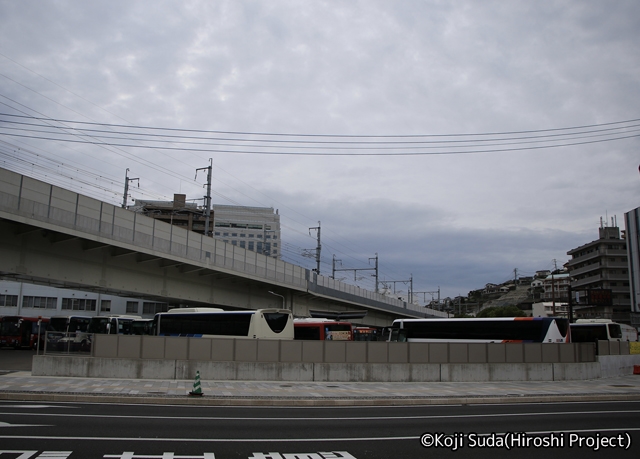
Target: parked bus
22 332
366 334
483 330
112 325
69 333
214 322
322 329
592 330
141 327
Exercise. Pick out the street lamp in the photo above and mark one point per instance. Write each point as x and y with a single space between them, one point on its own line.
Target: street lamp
284 306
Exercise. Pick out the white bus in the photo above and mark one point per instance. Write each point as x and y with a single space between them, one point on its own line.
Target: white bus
141 327
69 333
214 322
482 330
592 330
115 324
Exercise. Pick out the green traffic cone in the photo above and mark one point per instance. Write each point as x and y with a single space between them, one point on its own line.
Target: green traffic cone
197 389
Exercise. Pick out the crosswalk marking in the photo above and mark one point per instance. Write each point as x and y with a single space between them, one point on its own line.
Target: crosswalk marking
132 455
43 455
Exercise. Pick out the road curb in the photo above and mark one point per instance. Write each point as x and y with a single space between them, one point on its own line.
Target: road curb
274 401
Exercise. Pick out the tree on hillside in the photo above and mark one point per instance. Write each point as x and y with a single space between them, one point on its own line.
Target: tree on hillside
501 311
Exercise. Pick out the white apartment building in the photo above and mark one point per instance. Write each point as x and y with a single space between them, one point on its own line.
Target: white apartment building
556 287
550 309
601 266
32 300
252 228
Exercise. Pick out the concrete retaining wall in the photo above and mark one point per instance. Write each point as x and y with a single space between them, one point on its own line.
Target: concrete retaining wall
614 365
99 367
244 350
153 357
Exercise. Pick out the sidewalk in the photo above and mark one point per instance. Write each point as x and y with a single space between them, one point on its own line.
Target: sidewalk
24 386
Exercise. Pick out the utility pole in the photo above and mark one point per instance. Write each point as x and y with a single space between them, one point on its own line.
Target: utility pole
355 270
207 198
424 295
553 287
333 266
126 187
410 282
376 267
570 292
318 248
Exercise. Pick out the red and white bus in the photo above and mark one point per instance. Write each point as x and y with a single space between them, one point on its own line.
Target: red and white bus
322 329
22 332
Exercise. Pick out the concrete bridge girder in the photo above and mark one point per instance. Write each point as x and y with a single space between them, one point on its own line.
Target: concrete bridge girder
34 255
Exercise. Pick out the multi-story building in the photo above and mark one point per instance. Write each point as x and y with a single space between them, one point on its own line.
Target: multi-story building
556 287
632 233
550 309
31 300
252 228
600 277
178 212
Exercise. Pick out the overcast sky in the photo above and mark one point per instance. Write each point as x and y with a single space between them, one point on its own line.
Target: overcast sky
453 215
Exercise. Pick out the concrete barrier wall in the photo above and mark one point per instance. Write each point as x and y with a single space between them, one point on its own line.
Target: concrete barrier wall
154 357
123 368
614 365
613 347
243 350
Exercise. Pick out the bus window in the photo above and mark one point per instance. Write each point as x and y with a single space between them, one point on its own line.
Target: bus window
614 331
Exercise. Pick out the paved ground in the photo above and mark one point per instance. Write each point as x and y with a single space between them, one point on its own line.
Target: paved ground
21 385
17 383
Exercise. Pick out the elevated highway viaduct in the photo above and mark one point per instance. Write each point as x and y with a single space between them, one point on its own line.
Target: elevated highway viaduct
53 236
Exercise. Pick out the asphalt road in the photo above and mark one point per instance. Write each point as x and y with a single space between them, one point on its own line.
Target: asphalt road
79 430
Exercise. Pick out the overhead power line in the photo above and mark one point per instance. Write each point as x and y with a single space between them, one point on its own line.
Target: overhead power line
450 144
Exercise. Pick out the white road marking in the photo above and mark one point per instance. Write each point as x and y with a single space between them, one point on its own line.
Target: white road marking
331 419
284 440
36 406
6 424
